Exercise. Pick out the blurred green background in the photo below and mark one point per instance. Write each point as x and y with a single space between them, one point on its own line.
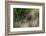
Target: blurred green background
20 13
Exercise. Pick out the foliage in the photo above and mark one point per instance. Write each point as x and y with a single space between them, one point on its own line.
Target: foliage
19 13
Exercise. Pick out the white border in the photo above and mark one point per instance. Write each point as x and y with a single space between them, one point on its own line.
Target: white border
25 29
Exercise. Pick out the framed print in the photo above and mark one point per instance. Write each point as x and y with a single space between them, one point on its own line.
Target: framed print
24 18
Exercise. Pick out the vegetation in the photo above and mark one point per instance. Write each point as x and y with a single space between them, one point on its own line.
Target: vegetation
21 13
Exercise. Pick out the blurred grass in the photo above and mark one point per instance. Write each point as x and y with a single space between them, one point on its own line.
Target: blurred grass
19 14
